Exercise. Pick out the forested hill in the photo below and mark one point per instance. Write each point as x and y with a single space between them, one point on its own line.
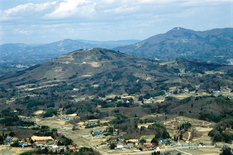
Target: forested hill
215 46
101 72
18 56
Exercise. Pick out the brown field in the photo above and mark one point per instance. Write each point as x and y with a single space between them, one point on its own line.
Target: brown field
6 150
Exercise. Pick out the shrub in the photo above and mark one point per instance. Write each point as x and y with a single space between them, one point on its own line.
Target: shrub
50 112
112 146
142 141
15 144
185 100
185 126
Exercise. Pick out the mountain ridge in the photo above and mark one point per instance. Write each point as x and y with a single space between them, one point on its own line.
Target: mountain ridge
208 46
19 56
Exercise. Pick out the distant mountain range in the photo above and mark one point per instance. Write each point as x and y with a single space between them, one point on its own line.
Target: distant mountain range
15 57
213 46
99 72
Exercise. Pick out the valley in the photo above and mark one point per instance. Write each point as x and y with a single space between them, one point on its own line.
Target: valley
83 138
103 101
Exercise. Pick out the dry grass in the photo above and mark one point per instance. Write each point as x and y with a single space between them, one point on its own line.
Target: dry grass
39 112
144 124
203 127
6 150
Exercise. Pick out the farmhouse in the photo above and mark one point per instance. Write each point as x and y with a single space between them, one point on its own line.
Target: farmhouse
119 147
147 147
40 144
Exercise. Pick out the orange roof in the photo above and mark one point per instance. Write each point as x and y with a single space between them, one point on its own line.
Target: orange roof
72 148
150 145
40 142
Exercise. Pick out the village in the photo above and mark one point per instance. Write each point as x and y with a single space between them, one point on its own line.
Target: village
179 93
93 135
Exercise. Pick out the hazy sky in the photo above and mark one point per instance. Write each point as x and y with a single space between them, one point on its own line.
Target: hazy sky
45 21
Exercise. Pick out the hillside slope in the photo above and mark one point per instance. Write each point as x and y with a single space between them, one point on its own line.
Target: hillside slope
101 71
16 57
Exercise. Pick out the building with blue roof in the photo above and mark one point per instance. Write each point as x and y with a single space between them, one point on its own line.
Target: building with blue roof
97 133
90 123
9 138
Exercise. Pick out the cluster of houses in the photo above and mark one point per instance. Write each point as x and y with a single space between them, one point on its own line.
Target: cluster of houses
50 147
122 144
55 148
123 147
149 146
91 123
10 140
126 99
118 141
43 142
63 118
26 119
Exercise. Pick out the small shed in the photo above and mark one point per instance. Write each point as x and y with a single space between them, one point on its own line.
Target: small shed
119 147
21 144
90 123
97 133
